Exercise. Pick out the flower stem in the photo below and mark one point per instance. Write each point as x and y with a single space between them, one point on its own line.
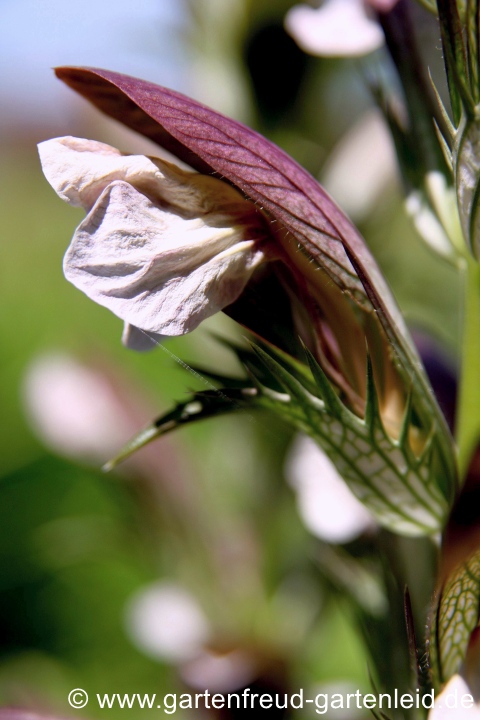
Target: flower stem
468 403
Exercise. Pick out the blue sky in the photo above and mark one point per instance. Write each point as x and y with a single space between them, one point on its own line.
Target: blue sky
137 37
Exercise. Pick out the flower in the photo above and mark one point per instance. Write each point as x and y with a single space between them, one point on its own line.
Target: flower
338 299
325 504
161 247
362 167
73 408
455 702
166 622
351 375
338 27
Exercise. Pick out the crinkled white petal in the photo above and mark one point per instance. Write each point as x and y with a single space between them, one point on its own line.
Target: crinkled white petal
455 702
79 171
338 28
326 505
155 269
161 247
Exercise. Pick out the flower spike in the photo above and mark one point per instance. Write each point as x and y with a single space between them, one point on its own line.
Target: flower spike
355 407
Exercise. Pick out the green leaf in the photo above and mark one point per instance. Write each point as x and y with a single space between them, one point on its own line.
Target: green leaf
456 617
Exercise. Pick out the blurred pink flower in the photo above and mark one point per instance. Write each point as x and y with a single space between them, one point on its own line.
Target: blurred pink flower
73 408
87 411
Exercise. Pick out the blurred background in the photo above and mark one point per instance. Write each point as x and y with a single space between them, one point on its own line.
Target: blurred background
200 563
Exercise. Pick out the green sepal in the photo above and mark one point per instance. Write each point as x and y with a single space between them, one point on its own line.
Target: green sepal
256 369
399 488
316 409
454 619
394 484
200 406
449 126
290 379
332 402
460 140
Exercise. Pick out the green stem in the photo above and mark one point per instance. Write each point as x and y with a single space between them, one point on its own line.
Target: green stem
468 405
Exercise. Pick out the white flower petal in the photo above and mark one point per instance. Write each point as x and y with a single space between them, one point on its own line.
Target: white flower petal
455 702
166 622
155 269
161 247
326 505
337 28
79 171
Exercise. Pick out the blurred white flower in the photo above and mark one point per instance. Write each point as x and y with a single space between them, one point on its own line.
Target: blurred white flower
160 247
362 166
73 408
455 702
326 505
338 28
166 622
